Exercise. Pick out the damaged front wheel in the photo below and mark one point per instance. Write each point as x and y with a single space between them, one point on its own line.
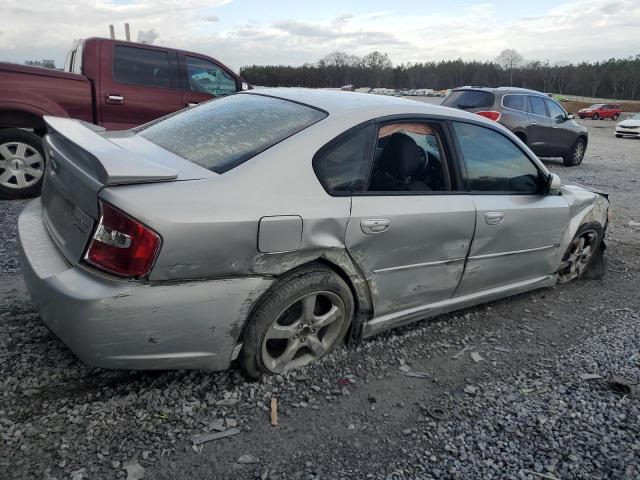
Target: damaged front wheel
585 255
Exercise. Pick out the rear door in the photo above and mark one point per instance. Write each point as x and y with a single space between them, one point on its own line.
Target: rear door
410 226
137 85
518 229
540 127
203 80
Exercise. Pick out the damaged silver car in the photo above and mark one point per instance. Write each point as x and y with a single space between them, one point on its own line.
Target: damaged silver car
271 225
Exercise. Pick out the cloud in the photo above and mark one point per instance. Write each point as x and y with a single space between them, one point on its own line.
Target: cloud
574 30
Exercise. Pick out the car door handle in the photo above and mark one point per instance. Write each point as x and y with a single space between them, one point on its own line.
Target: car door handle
114 99
373 226
494 218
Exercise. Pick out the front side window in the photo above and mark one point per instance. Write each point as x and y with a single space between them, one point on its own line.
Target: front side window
344 166
141 66
537 106
409 157
224 133
555 110
494 163
515 102
207 77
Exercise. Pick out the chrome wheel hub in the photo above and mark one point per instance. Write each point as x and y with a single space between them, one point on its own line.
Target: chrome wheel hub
21 165
578 256
303 332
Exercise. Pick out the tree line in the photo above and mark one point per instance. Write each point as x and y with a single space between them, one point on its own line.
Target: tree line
614 78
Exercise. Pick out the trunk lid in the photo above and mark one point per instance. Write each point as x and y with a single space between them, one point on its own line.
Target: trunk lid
82 159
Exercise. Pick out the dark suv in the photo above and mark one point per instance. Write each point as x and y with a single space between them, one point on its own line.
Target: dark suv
539 121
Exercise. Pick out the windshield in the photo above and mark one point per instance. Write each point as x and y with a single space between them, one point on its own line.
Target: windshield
466 99
597 105
221 134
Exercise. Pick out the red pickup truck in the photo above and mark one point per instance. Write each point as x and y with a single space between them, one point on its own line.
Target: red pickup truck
111 83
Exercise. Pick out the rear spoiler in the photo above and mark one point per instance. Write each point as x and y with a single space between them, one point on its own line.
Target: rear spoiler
105 161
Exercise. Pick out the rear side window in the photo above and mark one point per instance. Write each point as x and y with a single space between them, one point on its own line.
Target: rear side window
494 163
141 66
466 99
344 166
515 102
223 133
537 106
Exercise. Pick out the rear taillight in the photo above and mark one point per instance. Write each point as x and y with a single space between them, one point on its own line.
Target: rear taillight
491 115
122 245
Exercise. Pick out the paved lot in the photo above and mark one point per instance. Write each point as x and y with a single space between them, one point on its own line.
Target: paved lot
521 412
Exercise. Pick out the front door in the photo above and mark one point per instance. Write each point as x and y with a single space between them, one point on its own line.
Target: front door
411 226
540 127
137 85
205 80
518 229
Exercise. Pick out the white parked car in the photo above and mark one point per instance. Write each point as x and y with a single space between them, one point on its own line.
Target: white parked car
630 126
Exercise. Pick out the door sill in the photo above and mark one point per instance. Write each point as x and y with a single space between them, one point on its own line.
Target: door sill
396 319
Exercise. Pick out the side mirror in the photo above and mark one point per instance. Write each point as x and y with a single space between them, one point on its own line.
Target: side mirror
570 116
553 184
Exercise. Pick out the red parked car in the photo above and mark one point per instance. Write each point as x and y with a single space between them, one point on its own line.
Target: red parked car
112 83
600 111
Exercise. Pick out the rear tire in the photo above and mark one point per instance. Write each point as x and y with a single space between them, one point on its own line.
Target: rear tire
22 164
575 156
615 117
303 317
596 116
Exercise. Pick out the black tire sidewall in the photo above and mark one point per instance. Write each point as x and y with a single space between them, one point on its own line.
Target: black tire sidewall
277 298
569 159
33 140
583 228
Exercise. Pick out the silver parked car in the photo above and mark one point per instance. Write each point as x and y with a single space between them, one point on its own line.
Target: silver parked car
270 225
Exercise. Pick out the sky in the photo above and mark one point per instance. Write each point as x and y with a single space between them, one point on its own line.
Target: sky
245 32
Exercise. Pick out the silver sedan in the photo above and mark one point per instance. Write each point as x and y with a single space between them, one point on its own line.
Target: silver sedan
272 225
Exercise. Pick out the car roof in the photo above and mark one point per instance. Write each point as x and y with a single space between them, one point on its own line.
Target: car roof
503 90
336 102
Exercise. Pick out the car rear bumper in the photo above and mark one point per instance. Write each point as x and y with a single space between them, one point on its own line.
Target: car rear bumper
115 323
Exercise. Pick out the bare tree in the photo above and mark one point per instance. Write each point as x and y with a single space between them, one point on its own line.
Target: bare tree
509 59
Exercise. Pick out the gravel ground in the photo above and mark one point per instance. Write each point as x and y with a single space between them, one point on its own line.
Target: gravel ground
506 381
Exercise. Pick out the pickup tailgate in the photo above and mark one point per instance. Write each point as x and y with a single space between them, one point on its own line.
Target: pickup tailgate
82 160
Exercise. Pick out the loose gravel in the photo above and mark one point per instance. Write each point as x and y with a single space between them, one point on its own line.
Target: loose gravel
505 381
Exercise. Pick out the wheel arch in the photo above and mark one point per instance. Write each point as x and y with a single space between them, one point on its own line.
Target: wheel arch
342 265
19 118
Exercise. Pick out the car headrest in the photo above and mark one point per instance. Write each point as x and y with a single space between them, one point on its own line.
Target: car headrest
400 156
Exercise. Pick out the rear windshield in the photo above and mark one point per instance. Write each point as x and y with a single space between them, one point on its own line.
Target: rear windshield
466 99
226 132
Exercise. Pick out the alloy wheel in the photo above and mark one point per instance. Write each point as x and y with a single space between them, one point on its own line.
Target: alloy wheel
578 256
303 332
578 153
21 165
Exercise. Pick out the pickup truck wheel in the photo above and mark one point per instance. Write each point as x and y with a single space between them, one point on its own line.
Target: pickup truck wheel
22 164
576 154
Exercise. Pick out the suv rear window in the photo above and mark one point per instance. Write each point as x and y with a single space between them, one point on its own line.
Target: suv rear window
466 99
221 134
